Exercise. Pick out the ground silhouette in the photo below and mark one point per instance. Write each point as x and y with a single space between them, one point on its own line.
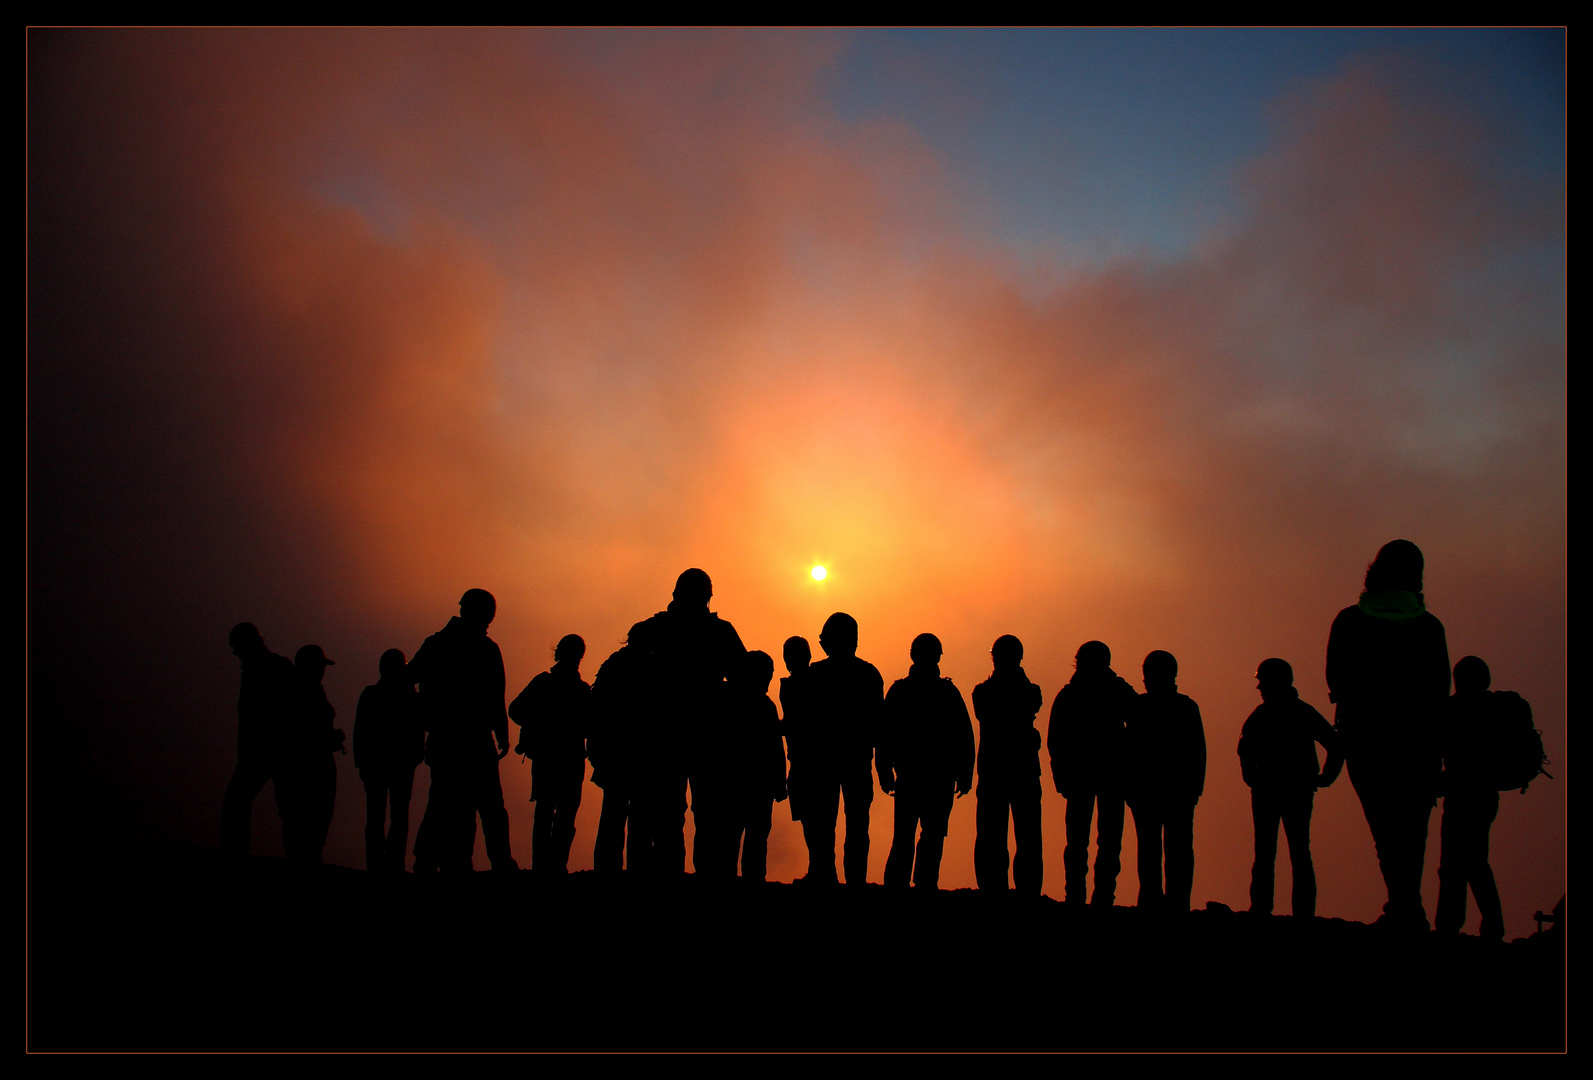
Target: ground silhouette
182 949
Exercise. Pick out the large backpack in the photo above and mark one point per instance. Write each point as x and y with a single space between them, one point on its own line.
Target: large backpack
1519 759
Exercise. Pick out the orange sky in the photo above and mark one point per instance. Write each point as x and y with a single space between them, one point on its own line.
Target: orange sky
327 328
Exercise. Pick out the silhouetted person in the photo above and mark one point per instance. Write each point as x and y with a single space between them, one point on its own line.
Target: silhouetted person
837 752
740 775
308 776
265 697
460 672
688 652
1165 778
1009 773
553 712
1388 673
620 702
389 743
1277 757
926 760
1086 743
1474 735
795 708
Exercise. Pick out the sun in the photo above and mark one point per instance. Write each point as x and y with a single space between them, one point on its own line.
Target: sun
819 573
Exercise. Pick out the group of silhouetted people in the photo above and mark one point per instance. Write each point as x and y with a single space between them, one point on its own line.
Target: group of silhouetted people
680 717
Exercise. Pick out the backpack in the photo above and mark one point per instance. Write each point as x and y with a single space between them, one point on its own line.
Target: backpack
1519 758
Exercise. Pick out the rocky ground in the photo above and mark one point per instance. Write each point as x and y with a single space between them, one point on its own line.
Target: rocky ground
173 949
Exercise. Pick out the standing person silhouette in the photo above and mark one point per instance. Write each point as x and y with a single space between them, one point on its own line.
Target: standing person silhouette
1009 773
309 773
847 695
553 713
1277 757
265 700
926 760
795 708
621 698
460 673
389 744
687 653
1085 741
1165 778
1388 674
740 775
1475 724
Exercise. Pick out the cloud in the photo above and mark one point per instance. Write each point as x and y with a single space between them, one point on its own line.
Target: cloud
327 327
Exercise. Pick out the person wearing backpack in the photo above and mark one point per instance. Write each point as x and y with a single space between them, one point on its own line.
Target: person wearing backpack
553 712
1484 752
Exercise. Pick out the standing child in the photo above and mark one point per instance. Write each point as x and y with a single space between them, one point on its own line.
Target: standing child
741 776
1277 755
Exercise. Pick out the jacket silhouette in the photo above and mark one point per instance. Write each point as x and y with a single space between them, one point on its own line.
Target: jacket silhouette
1388 675
837 752
265 704
1086 744
739 777
1164 778
460 673
1009 773
553 713
389 743
1277 757
926 760
1474 724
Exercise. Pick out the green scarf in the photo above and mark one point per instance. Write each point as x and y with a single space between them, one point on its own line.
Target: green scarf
1395 605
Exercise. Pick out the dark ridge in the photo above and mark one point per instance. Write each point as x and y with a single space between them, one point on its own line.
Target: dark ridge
181 949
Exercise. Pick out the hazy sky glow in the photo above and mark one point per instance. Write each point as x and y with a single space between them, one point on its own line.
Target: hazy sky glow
1151 337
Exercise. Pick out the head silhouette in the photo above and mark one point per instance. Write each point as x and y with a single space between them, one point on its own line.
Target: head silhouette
478 607
1093 656
758 669
1398 566
1472 675
693 589
1273 675
391 665
570 649
839 636
1160 670
245 639
926 649
1006 653
312 661
797 653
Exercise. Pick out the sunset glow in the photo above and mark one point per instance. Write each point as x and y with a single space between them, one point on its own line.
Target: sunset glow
326 327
